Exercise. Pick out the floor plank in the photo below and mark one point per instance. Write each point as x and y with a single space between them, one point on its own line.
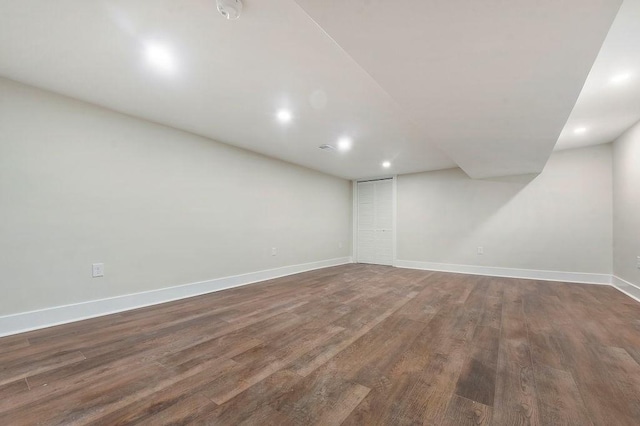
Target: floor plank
515 401
477 380
465 412
560 401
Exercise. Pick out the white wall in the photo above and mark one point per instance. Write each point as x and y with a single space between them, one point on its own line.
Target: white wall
626 207
559 221
80 184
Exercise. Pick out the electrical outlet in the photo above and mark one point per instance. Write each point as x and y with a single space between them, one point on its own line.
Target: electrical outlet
340 244
274 251
97 270
480 251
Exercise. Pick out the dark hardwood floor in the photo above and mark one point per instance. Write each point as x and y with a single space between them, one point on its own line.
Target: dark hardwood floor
352 345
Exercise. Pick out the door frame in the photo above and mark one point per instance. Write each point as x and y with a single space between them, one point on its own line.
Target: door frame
354 226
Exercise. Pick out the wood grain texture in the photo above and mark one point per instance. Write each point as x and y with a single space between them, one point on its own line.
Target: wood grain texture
477 380
559 399
352 345
465 412
515 401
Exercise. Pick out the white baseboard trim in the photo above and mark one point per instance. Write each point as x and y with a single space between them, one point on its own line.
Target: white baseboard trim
532 274
33 320
630 289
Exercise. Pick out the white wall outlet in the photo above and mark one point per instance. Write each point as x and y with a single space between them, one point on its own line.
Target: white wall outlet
340 244
97 270
274 251
480 250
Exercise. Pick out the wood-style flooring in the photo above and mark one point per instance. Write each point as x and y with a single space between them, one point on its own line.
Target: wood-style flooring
352 345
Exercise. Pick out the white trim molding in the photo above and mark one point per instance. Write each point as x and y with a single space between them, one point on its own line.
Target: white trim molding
354 220
630 289
532 274
33 320
394 214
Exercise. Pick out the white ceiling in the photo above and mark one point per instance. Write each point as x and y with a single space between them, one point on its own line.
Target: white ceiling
426 85
610 99
491 82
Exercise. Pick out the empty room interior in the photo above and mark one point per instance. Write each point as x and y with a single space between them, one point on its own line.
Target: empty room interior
313 212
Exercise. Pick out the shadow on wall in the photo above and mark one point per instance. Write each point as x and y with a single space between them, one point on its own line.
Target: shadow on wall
526 221
484 201
499 218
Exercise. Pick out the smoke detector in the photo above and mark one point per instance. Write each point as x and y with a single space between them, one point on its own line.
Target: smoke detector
230 9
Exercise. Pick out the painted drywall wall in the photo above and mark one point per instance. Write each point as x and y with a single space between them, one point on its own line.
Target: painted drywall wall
626 208
80 184
559 220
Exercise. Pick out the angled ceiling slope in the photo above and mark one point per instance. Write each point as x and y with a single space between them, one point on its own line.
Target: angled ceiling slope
491 82
426 84
221 79
610 100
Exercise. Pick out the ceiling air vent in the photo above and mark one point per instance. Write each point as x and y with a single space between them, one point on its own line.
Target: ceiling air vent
326 147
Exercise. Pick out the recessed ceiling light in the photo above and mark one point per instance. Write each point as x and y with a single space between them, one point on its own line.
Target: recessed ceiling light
579 130
620 78
344 144
160 57
386 164
284 115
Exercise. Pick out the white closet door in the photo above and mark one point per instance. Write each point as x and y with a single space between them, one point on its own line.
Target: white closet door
375 222
366 223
